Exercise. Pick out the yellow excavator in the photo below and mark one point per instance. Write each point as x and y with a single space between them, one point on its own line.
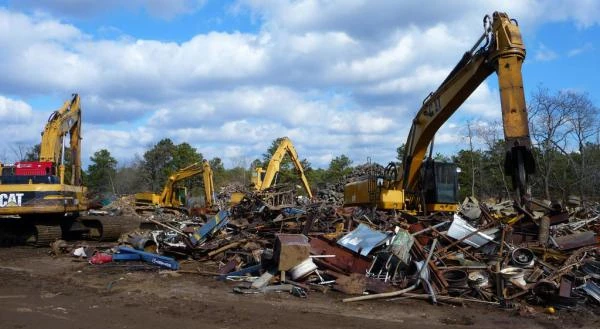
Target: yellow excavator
45 203
263 179
423 185
171 196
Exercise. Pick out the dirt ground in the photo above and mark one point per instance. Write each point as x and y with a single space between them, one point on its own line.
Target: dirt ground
38 290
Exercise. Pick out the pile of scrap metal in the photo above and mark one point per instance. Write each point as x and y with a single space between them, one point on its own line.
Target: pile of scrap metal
499 254
187 237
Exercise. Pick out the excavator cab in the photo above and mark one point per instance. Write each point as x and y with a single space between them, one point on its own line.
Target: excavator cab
440 185
258 176
179 196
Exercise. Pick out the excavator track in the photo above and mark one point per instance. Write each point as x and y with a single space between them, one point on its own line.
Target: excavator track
108 228
43 235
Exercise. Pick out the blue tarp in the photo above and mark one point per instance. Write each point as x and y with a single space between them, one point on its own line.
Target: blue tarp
292 211
126 253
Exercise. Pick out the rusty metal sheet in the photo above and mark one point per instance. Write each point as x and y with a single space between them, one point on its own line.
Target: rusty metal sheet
577 240
566 285
353 284
230 266
561 217
378 286
344 259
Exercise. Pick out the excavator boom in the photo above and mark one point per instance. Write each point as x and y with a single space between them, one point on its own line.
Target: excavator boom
503 53
66 120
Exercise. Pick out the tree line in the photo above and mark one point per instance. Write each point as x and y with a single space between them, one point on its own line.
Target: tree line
150 171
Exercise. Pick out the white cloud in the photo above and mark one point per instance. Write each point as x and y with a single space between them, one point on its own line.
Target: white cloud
420 79
21 128
580 50
335 76
483 104
122 144
544 54
368 18
14 111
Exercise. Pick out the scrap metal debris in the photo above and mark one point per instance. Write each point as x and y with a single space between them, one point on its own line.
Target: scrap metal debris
539 255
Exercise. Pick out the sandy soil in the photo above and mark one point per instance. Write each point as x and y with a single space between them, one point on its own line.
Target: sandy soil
38 290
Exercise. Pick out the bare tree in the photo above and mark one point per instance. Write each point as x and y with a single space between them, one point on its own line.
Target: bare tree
490 134
470 137
3 156
583 123
240 163
19 150
550 128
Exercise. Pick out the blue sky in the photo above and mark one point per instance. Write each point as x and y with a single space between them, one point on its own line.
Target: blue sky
228 77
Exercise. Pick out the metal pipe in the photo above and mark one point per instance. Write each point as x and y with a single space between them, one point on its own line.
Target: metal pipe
447 298
429 228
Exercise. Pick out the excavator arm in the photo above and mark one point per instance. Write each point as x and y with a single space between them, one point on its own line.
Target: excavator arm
66 120
209 187
503 52
285 147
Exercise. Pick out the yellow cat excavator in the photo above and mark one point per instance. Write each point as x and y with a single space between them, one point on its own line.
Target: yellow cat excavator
38 199
172 195
263 179
423 185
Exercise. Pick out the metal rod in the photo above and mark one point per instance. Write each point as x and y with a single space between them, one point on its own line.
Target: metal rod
459 247
466 267
166 226
447 298
226 247
429 228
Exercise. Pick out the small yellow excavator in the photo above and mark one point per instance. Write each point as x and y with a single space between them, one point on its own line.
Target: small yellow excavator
423 185
37 198
263 179
171 197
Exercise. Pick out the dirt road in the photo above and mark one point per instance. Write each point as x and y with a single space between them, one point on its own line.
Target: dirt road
41 291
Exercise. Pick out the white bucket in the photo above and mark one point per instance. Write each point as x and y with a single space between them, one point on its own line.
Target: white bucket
303 269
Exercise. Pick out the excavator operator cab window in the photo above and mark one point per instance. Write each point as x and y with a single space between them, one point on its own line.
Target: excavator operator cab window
181 194
441 182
